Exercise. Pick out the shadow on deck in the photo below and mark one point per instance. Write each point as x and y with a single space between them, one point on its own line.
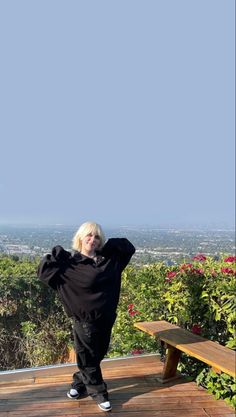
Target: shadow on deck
134 392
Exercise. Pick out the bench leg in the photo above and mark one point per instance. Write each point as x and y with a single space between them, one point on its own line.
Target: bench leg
171 363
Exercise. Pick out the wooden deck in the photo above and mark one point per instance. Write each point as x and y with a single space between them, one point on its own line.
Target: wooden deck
134 392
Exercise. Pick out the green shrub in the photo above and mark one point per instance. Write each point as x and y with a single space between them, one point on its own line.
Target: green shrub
34 329
221 386
47 344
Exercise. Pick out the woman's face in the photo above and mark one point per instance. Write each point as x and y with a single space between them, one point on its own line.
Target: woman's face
90 243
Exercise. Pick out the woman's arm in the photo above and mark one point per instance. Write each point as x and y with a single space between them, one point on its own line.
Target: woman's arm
52 265
121 248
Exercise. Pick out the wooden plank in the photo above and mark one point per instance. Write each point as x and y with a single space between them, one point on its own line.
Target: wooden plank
130 361
28 381
222 415
160 401
218 409
205 350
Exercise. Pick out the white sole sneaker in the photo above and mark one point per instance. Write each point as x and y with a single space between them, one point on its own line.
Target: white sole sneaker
72 397
73 394
106 406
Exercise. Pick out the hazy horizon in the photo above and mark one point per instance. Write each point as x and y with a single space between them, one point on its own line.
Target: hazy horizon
207 227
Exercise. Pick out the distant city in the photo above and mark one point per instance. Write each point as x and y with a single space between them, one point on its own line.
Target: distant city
152 243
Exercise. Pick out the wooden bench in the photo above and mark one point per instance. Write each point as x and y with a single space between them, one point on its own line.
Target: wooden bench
177 340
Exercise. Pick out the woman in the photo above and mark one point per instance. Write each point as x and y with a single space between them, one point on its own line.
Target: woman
88 284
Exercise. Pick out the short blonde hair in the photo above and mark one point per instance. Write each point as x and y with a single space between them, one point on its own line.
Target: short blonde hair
84 230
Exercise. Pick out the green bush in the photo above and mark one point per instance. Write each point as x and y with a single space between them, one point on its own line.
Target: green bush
46 344
34 329
222 386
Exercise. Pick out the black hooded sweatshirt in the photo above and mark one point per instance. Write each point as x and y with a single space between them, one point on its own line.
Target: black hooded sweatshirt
88 289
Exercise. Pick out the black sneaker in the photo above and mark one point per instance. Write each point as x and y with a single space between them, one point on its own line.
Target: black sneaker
105 406
74 394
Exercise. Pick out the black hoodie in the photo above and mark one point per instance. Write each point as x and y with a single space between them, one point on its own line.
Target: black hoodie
88 289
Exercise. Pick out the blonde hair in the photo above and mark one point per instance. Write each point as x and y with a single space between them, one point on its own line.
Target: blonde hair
84 230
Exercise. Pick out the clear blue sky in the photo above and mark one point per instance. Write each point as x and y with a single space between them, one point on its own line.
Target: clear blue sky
117 111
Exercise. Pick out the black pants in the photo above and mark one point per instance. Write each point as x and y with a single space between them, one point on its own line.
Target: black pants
91 345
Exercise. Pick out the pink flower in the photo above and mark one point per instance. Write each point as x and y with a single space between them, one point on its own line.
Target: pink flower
229 271
133 312
137 351
185 267
199 257
198 271
230 259
196 329
171 274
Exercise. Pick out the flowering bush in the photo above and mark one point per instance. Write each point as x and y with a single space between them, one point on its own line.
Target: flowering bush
198 296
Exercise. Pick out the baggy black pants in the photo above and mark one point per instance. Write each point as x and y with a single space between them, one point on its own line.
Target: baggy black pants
91 344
